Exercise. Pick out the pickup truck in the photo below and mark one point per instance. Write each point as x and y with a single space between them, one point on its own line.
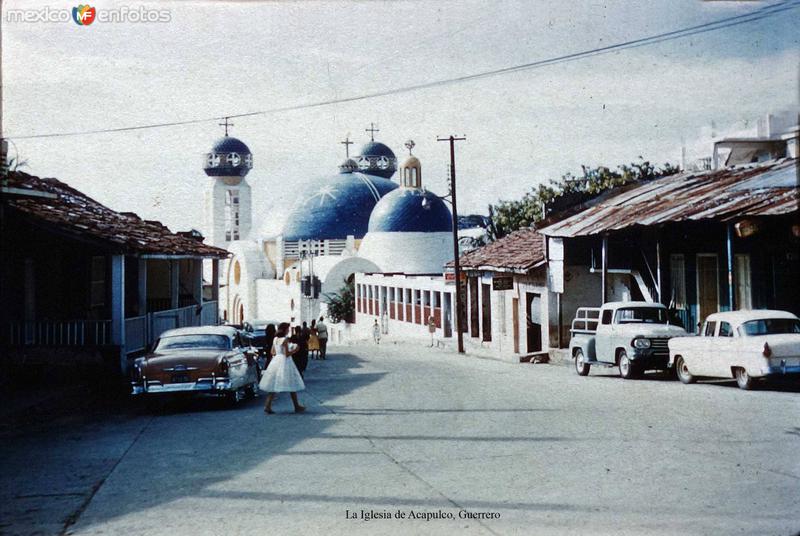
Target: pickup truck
630 335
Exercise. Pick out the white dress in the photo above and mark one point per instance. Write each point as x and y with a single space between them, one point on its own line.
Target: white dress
281 375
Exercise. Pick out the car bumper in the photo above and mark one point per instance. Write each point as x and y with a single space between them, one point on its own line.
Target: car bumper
781 370
203 385
650 360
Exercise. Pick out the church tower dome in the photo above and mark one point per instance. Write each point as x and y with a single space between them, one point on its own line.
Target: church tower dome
376 158
228 200
411 169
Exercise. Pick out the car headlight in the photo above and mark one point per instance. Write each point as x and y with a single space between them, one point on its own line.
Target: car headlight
640 343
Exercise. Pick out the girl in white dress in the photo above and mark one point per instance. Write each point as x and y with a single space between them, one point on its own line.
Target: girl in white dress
281 375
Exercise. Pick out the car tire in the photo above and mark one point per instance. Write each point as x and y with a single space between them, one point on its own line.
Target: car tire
581 366
682 371
743 379
627 370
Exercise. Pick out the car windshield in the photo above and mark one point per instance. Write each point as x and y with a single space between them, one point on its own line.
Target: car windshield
646 315
200 340
769 326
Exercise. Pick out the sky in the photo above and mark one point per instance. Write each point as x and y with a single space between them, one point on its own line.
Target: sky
213 59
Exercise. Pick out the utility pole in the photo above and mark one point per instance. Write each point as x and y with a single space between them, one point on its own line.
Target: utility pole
456 262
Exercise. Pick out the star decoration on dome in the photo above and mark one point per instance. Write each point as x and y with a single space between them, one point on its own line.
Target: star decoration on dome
326 191
363 162
382 162
234 159
212 160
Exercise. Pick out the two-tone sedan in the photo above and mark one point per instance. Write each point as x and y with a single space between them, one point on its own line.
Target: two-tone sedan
745 345
215 360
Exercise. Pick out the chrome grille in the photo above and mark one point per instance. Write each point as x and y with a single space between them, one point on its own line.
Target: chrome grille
659 346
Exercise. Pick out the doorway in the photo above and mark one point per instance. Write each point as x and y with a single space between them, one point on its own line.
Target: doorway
707 285
515 322
533 312
486 310
474 325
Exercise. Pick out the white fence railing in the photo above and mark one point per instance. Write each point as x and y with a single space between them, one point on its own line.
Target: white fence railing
61 333
292 249
140 331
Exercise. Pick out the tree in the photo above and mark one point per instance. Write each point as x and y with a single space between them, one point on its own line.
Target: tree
507 216
342 304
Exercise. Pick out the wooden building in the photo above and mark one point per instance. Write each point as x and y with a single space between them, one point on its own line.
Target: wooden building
76 276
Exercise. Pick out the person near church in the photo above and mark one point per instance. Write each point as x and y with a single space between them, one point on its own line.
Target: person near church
376 332
432 329
313 341
266 348
322 335
300 338
282 375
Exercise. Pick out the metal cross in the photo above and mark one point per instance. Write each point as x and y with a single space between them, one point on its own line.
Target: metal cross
226 124
372 130
347 143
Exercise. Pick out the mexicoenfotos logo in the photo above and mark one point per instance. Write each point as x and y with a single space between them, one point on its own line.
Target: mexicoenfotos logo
83 15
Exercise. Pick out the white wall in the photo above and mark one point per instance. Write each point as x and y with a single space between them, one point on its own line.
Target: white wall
410 253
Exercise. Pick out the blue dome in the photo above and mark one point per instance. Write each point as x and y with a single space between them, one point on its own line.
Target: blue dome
229 144
377 159
229 157
403 211
336 207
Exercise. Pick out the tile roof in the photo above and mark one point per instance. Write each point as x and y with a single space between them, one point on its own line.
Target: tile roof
521 251
769 189
54 203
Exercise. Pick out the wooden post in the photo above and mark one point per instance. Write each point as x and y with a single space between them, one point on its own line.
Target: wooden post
215 286
604 275
141 287
118 309
174 284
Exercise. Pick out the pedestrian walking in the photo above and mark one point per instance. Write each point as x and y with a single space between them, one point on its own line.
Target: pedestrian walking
432 328
300 357
313 341
376 332
266 349
322 335
282 375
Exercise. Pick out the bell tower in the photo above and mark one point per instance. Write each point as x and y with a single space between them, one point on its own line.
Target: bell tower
228 198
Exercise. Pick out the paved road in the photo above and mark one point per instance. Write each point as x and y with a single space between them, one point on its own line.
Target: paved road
411 429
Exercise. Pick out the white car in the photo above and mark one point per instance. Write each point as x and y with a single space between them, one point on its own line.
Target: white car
745 345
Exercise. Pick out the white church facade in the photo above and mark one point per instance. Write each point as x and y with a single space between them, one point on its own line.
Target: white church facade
362 219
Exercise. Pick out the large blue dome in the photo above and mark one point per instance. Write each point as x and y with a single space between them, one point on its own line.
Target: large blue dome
336 207
411 210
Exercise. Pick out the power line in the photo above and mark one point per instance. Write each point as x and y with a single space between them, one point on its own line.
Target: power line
727 22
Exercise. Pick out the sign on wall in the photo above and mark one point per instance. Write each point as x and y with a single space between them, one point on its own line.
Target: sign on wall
503 282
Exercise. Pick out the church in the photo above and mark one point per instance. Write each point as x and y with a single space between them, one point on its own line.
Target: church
372 216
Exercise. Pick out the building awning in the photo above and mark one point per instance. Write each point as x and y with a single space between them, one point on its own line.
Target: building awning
53 204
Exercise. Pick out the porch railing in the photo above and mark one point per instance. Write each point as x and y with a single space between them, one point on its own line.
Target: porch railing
58 333
140 331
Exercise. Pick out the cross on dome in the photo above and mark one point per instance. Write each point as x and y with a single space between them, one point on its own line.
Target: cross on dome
347 143
373 128
409 145
226 124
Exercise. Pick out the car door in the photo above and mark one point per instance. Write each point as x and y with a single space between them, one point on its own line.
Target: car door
603 336
698 360
722 348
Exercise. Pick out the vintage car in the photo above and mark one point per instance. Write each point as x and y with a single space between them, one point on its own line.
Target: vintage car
630 335
214 360
746 345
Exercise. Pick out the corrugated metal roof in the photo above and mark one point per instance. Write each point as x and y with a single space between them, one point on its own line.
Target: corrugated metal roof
77 214
768 189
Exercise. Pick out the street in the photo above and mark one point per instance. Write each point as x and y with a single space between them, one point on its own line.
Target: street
423 441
